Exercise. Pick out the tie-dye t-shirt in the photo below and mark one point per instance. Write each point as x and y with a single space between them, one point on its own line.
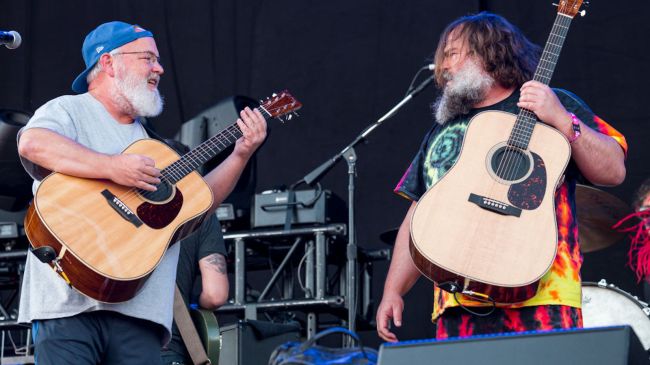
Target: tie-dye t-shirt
438 153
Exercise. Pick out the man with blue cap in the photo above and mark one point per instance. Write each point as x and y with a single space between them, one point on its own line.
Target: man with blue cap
83 135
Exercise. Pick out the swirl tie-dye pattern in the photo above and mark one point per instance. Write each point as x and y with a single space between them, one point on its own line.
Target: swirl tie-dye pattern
443 153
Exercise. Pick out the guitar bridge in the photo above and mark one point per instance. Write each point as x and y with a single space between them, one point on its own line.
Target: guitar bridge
494 205
121 208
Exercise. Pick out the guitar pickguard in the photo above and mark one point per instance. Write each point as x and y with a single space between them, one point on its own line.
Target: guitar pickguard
529 193
158 216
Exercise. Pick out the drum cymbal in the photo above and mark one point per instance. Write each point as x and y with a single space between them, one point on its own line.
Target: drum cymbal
388 237
597 212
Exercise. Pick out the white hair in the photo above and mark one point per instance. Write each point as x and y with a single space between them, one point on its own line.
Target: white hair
94 72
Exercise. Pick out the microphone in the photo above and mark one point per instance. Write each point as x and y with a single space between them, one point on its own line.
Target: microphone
429 67
10 39
422 86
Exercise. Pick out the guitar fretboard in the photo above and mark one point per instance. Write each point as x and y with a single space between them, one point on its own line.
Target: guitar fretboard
523 129
204 152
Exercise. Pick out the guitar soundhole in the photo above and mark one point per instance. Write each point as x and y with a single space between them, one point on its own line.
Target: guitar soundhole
163 194
510 164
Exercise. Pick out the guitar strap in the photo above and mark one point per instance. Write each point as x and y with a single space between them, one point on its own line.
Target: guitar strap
188 332
151 132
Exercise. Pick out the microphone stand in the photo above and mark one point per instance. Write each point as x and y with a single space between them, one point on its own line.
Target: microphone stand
351 158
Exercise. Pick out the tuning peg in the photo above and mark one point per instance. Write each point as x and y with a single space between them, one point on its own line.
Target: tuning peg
274 95
582 12
556 5
586 3
289 116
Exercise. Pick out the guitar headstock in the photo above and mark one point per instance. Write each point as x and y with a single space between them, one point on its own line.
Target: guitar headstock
281 105
570 8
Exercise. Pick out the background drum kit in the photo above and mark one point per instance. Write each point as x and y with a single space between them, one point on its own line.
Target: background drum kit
603 303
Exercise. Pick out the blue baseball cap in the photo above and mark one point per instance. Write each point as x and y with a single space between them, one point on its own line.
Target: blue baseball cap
103 39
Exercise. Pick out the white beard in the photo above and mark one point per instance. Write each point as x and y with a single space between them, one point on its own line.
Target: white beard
469 86
133 96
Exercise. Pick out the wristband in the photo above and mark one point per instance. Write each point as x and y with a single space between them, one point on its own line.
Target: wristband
575 124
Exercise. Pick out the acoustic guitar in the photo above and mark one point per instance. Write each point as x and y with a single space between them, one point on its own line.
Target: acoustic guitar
208 329
488 227
105 239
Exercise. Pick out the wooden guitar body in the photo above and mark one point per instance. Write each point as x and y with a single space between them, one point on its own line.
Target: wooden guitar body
103 254
489 224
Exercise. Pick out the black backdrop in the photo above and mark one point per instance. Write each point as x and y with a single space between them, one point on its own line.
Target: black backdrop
347 61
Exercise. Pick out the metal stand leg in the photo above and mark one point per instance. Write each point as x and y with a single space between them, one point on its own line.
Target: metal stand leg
309 270
321 266
351 252
250 310
312 324
240 271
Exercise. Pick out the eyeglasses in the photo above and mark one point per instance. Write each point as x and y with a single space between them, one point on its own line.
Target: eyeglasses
150 56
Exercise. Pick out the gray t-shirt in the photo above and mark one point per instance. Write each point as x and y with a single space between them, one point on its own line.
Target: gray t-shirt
44 294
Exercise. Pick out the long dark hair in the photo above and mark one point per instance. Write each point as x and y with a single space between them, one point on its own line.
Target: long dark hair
506 54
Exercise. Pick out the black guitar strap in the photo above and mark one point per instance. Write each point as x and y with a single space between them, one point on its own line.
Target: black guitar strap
151 132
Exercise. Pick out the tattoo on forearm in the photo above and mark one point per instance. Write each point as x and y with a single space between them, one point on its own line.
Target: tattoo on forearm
219 263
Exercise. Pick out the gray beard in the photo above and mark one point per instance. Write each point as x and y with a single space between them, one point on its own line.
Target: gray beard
134 97
468 89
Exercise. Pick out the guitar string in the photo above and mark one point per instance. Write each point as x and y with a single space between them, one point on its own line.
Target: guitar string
555 42
181 167
547 63
169 175
526 121
509 152
207 149
502 166
517 132
548 50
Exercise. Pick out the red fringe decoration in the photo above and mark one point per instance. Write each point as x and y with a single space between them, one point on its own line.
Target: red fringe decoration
638 257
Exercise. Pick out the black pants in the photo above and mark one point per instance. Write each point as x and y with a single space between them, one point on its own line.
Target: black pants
97 338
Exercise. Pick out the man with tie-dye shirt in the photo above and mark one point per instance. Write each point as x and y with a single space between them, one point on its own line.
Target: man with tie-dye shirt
485 63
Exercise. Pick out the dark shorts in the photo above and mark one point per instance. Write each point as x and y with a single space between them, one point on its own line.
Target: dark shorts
456 322
97 338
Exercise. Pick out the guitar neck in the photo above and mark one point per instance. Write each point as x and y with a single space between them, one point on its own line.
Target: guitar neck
202 153
523 130
551 52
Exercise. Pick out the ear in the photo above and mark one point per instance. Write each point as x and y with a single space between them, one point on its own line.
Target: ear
106 61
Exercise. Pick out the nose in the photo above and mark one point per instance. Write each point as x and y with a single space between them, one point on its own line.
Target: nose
157 68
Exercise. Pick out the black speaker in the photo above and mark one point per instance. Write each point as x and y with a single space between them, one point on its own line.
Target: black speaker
607 345
15 184
252 342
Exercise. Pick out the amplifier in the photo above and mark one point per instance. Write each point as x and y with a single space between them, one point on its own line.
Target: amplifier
249 342
311 207
607 345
